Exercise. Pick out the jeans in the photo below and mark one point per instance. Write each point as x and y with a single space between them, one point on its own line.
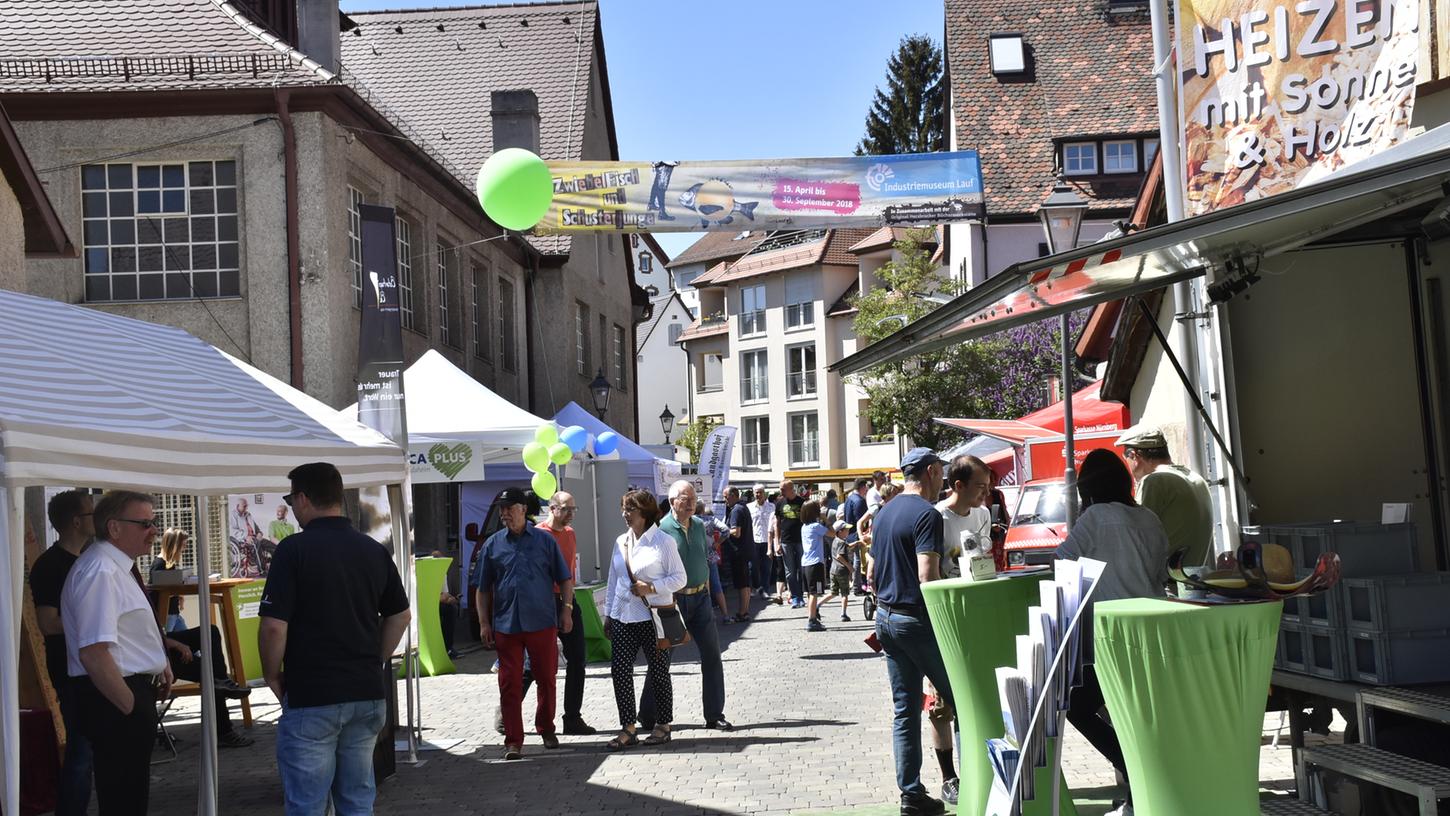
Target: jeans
700 621
911 654
761 567
715 585
793 552
328 750
73 796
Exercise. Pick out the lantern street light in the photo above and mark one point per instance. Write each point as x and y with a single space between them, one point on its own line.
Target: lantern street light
667 419
600 388
1061 213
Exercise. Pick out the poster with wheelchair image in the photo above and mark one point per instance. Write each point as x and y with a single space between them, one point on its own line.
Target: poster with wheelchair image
256 522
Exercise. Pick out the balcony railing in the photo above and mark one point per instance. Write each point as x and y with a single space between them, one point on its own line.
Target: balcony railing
800 315
877 439
800 384
753 389
757 455
805 452
710 388
752 322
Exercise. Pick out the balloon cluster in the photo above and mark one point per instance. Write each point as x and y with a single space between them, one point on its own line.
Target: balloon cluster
552 447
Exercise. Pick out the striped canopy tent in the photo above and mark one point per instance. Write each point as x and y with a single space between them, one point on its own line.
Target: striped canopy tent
92 399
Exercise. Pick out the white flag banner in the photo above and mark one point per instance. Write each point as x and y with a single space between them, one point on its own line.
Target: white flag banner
715 460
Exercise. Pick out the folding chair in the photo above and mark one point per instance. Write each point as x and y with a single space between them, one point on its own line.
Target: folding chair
163 737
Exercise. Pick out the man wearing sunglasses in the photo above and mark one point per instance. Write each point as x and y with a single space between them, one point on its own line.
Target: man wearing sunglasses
114 652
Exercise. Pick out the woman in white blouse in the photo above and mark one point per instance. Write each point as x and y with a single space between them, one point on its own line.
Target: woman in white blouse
650 556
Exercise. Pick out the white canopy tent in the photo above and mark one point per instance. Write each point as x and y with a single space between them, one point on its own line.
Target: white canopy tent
93 399
445 404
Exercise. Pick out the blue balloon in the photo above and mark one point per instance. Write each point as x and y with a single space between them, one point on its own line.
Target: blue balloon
575 437
605 443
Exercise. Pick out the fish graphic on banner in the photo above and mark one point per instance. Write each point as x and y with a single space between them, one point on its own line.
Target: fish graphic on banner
861 191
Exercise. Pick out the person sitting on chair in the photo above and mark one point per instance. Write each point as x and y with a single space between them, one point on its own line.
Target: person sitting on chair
183 652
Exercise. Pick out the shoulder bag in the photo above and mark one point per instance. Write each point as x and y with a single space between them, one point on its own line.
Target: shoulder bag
669 624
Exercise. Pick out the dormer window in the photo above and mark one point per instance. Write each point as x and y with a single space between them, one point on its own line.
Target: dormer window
1080 158
1008 54
1120 156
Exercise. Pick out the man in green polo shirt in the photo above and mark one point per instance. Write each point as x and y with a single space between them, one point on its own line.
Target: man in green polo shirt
1177 495
694 605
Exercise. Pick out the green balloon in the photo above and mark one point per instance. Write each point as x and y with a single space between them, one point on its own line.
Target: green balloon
560 454
515 188
546 435
536 457
544 485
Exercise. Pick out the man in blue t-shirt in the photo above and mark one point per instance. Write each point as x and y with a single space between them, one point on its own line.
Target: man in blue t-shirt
906 546
851 512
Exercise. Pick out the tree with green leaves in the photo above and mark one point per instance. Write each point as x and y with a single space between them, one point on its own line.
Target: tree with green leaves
693 439
909 115
998 377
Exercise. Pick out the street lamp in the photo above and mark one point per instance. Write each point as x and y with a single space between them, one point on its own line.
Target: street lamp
600 388
1061 213
667 419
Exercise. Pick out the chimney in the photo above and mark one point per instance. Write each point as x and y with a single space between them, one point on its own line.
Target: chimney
515 120
318 25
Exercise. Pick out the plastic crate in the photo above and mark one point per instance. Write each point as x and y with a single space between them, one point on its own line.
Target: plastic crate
1293 651
1328 652
1400 658
1365 549
1397 603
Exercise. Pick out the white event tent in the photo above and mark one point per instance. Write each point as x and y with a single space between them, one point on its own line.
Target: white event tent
93 399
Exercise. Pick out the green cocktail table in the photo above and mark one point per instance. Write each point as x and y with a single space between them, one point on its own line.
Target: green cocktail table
1186 687
976 625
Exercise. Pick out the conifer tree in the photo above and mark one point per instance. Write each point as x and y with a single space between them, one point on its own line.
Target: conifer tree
909 115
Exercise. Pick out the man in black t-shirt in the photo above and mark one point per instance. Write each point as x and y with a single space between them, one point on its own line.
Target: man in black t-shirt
788 527
741 547
70 515
332 611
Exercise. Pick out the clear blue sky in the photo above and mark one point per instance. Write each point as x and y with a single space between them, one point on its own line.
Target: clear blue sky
745 79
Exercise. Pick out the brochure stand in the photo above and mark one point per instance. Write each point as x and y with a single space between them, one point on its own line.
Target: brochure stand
1035 693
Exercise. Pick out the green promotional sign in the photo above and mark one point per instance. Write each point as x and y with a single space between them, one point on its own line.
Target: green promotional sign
246 601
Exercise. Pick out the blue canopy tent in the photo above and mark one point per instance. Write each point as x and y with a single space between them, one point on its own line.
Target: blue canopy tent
640 462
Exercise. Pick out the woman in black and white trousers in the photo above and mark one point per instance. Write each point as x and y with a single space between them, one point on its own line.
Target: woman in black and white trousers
651 557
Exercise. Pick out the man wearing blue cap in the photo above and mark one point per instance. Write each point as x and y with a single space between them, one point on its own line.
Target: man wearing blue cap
906 545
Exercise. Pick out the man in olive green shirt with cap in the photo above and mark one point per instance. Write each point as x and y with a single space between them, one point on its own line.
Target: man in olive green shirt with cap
1177 495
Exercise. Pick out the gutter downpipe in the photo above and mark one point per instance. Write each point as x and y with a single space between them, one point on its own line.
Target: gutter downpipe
528 310
294 252
1183 298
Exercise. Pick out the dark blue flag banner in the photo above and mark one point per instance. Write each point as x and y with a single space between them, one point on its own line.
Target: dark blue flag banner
380 335
768 194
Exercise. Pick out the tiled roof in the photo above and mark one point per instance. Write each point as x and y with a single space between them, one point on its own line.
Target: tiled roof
437 67
700 329
716 245
1093 76
832 247
134 45
880 239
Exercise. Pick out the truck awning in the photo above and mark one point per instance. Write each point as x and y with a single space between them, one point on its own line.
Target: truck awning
1410 174
1011 431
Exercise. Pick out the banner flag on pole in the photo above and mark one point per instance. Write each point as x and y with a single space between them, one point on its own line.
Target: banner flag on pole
715 460
855 191
380 332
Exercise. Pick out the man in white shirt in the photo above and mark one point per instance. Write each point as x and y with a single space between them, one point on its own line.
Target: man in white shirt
115 652
873 493
761 513
965 517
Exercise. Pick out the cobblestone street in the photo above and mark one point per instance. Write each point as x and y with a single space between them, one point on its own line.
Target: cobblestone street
813 720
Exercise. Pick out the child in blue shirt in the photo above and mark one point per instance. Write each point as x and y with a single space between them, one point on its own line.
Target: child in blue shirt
814 536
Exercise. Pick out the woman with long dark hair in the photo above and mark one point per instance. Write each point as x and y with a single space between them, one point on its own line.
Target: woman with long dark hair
1115 529
645 571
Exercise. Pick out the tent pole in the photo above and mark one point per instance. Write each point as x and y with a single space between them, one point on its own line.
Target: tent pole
403 555
1069 472
206 804
598 538
12 504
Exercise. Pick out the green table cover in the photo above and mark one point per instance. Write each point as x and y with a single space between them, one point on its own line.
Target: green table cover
1186 687
428 576
596 645
976 625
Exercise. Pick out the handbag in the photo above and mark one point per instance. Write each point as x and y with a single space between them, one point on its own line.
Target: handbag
669 624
